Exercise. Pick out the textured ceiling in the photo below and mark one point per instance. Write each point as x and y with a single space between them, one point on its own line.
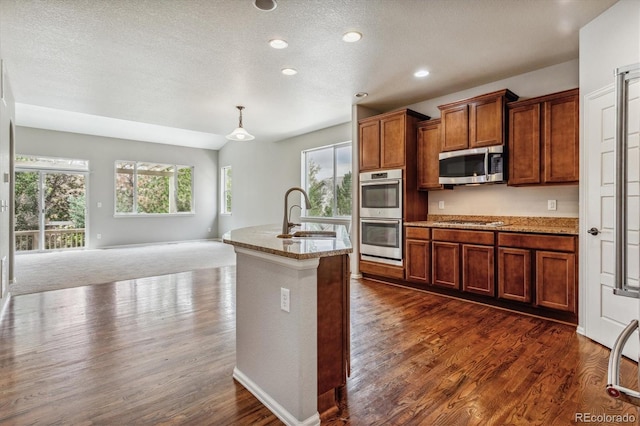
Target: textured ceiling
185 64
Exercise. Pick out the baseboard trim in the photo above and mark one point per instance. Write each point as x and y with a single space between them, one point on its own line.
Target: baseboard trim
277 409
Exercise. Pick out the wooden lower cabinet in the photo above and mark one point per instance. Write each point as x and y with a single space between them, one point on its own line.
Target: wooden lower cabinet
514 274
418 253
550 262
478 269
534 270
463 260
555 280
446 264
333 330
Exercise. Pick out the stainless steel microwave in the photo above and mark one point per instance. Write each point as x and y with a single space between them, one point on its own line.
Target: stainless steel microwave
471 166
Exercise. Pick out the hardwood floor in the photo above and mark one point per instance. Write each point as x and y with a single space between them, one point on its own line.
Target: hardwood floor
162 350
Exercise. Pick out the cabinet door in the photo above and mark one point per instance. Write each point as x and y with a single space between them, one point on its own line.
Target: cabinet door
524 145
478 269
445 264
370 145
514 274
556 280
455 128
561 149
486 120
392 141
418 258
428 163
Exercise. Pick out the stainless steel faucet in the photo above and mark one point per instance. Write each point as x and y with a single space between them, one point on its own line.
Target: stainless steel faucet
286 225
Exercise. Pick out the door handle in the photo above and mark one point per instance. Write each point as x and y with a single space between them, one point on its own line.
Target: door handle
613 373
594 231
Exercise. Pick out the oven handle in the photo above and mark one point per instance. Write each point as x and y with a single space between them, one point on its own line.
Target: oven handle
386 221
613 373
378 182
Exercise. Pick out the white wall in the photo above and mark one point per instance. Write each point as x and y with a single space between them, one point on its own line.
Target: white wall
501 200
7 120
102 153
262 172
610 41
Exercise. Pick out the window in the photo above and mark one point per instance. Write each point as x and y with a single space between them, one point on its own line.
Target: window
152 188
225 190
326 174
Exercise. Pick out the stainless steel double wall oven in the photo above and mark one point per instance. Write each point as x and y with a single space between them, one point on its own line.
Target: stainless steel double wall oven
381 216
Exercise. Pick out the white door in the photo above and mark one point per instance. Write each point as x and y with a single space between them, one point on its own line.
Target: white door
606 313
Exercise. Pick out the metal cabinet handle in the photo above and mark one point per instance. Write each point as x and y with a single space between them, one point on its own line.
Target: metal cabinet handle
594 231
613 374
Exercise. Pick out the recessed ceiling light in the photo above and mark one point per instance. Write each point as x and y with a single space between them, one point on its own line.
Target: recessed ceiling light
266 5
421 73
289 71
351 36
361 95
276 43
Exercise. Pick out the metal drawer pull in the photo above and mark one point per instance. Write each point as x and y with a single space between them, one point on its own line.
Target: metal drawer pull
613 375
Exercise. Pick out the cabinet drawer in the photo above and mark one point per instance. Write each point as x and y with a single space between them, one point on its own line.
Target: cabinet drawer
418 233
464 236
382 269
537 242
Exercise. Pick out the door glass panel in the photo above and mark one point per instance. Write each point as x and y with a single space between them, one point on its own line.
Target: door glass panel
64 214
27 225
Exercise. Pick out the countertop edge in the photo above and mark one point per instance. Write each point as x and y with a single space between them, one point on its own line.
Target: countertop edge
535 229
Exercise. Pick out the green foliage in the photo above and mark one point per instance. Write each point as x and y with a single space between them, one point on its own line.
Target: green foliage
344 196
124 193
77 210
59 189
26 201
153 194
185 176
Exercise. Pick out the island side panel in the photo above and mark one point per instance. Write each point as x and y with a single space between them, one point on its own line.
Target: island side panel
275 349
333 329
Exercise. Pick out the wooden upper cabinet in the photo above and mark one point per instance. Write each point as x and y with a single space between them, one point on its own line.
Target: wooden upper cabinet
369 145
455 128
475 122
524 145
392 140
428 150
561 139
543 139
386 140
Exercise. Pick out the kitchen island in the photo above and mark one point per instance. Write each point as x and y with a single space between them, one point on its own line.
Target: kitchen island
292 318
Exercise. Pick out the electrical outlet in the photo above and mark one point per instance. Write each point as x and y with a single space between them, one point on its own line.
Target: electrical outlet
99 204
208 229
284 299
441 205
552 205
99 236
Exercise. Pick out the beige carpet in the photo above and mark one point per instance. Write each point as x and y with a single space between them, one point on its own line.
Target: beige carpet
36 272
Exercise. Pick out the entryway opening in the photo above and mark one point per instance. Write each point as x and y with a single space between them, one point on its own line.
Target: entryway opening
50 203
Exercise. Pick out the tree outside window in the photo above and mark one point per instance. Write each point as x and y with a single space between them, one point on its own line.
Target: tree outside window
225 190
152 188
327 179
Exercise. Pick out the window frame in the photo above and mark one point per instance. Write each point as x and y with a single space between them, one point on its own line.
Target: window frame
304 179
172 203
226 210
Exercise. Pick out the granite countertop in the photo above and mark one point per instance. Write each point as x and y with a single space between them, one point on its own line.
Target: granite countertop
264 238
540 225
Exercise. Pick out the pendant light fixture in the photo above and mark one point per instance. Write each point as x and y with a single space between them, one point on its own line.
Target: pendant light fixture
240 134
